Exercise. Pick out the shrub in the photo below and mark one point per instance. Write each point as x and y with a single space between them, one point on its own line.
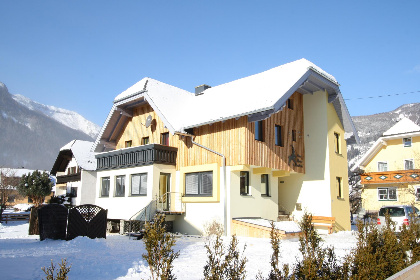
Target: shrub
224 265
213 228
61 274
159 246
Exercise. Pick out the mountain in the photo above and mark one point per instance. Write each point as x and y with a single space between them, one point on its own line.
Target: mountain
371 127
66 117
31 134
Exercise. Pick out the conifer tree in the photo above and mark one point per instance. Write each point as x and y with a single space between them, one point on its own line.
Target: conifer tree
159 246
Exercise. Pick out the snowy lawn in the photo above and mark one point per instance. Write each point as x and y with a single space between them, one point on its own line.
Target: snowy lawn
118 257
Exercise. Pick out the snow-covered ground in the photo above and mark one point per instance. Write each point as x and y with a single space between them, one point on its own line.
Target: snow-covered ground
118 257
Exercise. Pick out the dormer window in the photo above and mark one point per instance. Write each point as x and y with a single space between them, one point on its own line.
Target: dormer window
407 142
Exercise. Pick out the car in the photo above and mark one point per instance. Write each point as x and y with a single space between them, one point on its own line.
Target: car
400 214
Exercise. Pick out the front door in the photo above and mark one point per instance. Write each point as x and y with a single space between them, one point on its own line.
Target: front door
164 190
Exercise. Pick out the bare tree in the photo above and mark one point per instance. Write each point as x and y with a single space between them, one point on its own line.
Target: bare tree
355 192
8 183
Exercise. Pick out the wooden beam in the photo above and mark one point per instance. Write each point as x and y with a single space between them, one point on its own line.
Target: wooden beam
261 170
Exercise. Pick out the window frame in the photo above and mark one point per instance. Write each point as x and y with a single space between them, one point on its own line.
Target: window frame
259 130
164 138
339 186
140 184
200 179
412 164
128 144
337 143
278 135
265 185
290 103
407 142
102 186
385 164
387 189
145 140
244 188
116 192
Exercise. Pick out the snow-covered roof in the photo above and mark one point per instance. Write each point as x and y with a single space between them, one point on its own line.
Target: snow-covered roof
405 125
264 92
80 150
404 128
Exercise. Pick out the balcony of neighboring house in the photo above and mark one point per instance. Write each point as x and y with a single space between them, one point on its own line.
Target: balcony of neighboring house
137 156
61 179
397 176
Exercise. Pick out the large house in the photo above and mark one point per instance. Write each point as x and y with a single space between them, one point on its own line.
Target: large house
75 171
389 169
270 142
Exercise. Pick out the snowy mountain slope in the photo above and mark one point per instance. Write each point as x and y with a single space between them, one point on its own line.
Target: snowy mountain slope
30 138
371 127
66 117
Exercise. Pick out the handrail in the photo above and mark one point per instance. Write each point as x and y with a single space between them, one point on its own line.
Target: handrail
147 213
171 202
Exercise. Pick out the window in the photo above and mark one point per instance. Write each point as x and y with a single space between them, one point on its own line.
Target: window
199 183
339 185
120 186
290 103
259 131
73 191
382 166
128 144
164 139
407 142
408 164
265 188
418 193
105 187
337 143
244 184
387 193
11 198
138 184
278 134
145 140
294 135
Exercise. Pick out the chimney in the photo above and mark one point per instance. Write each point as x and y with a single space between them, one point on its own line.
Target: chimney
200 89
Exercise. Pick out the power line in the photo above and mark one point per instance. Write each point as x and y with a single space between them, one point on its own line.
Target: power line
381 96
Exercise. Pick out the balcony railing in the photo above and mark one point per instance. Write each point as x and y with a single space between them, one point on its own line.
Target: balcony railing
137 156
398 176
68 178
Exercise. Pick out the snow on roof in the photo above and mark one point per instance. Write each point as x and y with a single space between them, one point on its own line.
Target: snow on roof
81 152
248 95
405 125
287 226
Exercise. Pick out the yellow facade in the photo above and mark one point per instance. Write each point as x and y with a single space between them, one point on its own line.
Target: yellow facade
393 153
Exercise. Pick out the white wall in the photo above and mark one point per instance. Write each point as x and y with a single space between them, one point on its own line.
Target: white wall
86 194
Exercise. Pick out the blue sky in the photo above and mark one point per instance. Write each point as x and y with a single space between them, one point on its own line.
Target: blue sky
79 55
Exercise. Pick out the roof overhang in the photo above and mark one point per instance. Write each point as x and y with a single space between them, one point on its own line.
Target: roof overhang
63 159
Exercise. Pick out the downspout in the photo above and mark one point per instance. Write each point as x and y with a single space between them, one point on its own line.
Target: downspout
225 219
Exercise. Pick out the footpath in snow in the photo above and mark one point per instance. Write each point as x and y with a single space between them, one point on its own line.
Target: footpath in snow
118 257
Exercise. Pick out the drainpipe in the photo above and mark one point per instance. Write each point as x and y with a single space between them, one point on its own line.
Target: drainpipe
224 181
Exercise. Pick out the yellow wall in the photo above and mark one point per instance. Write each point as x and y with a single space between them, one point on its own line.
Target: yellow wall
394 153
338 168
405 196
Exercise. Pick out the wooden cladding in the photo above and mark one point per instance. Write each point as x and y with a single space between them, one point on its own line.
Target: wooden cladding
234 138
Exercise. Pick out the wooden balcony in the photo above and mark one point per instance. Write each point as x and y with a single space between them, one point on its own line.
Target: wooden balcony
398 176
137 156
68 178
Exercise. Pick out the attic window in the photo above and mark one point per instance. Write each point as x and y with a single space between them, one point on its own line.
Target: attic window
259 131
407 142
128 143
290 103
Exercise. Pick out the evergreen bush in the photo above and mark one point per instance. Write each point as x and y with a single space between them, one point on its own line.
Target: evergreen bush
159 246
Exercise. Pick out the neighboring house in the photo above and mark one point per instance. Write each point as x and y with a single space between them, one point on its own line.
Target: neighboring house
271 142
390 174
74 169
